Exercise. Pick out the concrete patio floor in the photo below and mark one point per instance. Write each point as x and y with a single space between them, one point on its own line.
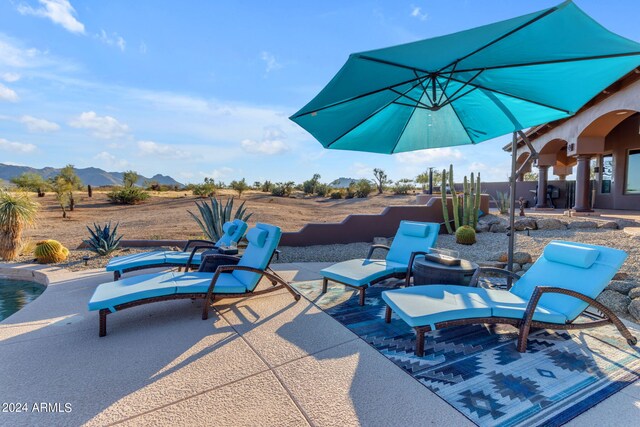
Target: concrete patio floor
262 360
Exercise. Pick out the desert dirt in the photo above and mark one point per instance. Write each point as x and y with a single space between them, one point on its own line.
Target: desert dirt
165 214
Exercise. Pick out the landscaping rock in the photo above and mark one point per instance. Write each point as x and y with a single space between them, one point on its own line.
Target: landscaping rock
494 264
380 241
482 227
516 267
609 224
621 276
498 256
522 257
524 223
583 224
550 224
634 293
490 219
526 266
500 227
622 286
634 308
615 301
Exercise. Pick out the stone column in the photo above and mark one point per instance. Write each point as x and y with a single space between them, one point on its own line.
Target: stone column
542 187
583 181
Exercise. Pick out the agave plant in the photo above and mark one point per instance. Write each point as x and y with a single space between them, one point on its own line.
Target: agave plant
104 240
17 211
215 214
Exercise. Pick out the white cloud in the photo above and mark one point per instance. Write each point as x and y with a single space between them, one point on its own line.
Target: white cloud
58 11
361 170
110 161
7 94
10 77
427 157
105 127
34 124
270 61
16 146
142 48
112 40
416 12
151 148
272 143
220 173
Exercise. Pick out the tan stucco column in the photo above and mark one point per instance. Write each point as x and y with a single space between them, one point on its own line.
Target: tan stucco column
542 187
583 180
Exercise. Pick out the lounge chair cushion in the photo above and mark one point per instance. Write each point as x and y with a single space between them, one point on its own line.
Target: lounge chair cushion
108 295
126 262
431 304
588 281
257 237
412 237
360 272
573 255
229 227
232 233
196 282
256 255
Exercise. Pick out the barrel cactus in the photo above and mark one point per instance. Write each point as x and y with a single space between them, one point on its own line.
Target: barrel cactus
50 251
465 235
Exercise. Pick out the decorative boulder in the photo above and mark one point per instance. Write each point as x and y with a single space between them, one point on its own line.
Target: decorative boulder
610 225
621 276
550 224
482 227
583 224
526 266
634 308
500 227
522 257
524 223
615 301
498 256
634 293
622 286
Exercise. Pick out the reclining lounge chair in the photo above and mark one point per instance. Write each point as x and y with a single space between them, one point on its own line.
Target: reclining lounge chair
561 284
411 240
188 257
228 280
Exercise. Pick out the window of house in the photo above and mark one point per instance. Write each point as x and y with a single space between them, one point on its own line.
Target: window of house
607 174
632 180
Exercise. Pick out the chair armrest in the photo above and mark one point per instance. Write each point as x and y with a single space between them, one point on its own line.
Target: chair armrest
413 257
203 243
193 253
226 259
374 247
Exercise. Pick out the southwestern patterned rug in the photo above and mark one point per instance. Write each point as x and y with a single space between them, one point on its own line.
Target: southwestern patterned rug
477 369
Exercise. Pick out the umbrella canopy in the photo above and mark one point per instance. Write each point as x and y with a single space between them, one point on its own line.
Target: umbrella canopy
470 86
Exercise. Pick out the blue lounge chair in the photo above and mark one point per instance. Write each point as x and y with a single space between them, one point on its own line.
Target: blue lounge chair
561 284
412 239
228 280
188 257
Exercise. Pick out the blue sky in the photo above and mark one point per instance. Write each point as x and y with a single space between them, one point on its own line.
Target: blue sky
205 88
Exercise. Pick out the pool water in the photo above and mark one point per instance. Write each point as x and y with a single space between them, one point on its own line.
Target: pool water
15 294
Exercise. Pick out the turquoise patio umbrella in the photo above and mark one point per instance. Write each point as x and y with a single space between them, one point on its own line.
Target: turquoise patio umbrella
471 86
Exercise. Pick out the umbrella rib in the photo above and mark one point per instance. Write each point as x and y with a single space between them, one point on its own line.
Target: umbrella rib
461 123
446 85
369 116
402 132
394 64
424 87
452 98
514 96
358 97
402 95
550 62
520 27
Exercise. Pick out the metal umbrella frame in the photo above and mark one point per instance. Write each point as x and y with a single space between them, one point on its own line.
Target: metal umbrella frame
470 86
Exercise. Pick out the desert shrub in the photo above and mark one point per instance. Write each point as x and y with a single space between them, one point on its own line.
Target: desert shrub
267 187
32 182
403 186
310 186
502 200
283 189
17 211
130 178
240 186
323 190
206 189
360 189
214 215
103 240
127 196
337 194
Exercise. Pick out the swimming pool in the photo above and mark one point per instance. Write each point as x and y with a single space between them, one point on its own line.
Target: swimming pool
15 294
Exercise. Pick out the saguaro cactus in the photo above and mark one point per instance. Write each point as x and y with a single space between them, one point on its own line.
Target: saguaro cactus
466 206
445 204
455 201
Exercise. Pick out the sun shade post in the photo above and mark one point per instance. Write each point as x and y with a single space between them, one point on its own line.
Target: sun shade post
512 202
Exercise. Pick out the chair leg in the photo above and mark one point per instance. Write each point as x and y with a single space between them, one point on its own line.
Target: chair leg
324 285
419 342
205 306
523 336
362 295
103 322
116 276
387 315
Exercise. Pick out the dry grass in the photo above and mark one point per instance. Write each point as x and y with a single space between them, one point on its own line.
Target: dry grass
164 215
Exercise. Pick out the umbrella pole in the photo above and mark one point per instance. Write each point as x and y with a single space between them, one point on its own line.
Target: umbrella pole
512 202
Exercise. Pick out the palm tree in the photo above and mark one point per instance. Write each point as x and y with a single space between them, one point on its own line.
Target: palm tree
17 211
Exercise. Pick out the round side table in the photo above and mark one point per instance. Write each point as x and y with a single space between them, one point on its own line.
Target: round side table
433 273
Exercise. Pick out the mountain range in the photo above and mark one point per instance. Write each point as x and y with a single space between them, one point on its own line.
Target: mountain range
95 177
